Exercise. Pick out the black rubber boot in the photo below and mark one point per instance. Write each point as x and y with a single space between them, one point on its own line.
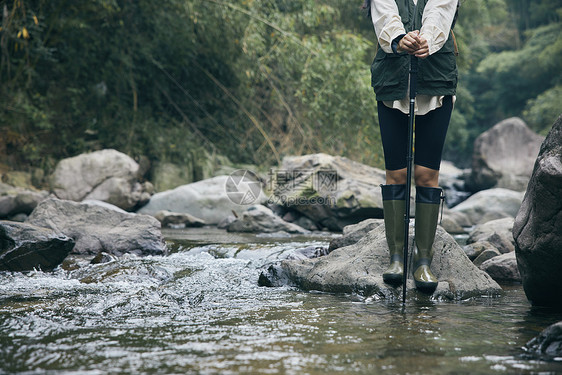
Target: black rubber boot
427 213
394 205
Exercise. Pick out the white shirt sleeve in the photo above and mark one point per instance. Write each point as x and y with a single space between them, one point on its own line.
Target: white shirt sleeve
437 19
387 22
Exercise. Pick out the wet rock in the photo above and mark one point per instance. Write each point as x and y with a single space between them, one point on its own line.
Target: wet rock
106 175
96 229
333 190
495 163
206 199
17 200
548 342
354 232
178 220
538 226
492 200
358 268
496 232
502 268
260 219
24 247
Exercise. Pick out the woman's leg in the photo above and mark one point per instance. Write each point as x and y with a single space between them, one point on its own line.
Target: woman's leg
431 130
394 128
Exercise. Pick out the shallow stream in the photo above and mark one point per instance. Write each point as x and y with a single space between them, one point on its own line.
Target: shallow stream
200 311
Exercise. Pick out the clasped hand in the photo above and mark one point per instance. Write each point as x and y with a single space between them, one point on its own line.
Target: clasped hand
414 44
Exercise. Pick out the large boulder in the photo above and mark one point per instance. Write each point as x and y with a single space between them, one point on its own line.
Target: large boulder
260 219
504 156
208 200
490 204
538 226
331 190
358 268
17 200
95 228
106 175
24 247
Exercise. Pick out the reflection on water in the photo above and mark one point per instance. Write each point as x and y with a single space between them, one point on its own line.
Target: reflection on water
200 310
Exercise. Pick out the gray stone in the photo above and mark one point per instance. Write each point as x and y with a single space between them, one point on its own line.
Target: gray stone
260 219
17 200
485 255
205 199
332 190
473 250
496 232
106 175
504 156
538 226
502 268
358 268
354 232
178 220
492 200
24 247
96 229
548 343
451 226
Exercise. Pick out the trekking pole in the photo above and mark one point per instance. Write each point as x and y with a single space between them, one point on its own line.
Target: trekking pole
409 159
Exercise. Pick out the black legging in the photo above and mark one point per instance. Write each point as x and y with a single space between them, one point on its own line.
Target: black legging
430 133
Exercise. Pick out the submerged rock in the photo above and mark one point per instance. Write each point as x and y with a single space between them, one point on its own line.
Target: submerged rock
494 162
358 268
548 343
24 247
96 229
260 219
538 225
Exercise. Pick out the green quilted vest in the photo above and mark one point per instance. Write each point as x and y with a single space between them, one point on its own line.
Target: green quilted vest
437 74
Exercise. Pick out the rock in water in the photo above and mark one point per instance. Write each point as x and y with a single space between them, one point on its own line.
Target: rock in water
504 156
358 268
96 228
207 200
332 190
24 247
260 219
548 343
17 200
538 226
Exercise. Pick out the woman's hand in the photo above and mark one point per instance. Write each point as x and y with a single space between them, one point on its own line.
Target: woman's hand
409 43
414 44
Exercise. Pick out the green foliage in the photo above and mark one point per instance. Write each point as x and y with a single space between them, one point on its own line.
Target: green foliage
252 80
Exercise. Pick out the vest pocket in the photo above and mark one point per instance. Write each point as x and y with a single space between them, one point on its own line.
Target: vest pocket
387 71
441 66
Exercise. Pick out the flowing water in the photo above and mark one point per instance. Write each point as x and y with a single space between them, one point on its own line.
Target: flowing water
200 311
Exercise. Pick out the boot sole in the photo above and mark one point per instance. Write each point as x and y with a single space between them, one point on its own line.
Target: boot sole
392 278
426 286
